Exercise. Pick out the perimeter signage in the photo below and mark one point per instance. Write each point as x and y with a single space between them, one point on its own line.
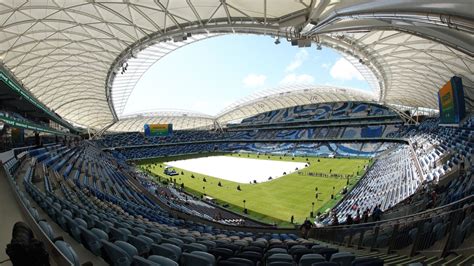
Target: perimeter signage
26 125
13 85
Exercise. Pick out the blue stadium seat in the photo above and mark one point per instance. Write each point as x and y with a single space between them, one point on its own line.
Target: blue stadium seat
117 256
68 252
167 250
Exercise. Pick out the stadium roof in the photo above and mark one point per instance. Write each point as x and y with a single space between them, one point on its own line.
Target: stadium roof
181 119
253 104
70 54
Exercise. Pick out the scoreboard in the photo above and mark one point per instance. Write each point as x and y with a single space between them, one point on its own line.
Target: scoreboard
451 102
158 129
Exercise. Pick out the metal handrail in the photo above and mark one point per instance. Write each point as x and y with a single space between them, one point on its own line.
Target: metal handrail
54 253
430 212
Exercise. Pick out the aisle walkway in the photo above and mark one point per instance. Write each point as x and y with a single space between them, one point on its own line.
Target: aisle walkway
9 214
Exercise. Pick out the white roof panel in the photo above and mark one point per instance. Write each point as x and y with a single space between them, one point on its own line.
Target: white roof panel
68 53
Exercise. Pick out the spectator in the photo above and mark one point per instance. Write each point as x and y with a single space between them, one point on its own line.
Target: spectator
357 218
349 220
24 249
335 220
365 216
377 213
306 227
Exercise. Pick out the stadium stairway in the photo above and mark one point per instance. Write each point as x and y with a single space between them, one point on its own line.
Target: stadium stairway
10 213
82 253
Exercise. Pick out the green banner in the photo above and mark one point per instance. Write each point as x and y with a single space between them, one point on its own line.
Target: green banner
28 125
17 88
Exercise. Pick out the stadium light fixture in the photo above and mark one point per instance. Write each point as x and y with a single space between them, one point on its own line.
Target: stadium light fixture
277 40
318 46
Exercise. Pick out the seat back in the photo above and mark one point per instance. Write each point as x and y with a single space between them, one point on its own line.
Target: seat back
119 234
327 252
280 257
142 246
137 230
308 259
127 247
238 262
223 253
174 241
343 258
91 241
166 250
251 255
368 262
104 226
187 239
295 247
253 248
194 247
155 236
73 227
115 255
47 229
276 251
68 251
325 263
197 259
81 222
298 253
208 243
280 263
100 233
162 261
141 261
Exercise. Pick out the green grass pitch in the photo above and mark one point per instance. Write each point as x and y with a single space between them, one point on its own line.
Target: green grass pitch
272 201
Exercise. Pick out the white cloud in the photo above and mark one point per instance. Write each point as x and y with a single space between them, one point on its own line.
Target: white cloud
254 80
344 70
326 65
297 79
298 60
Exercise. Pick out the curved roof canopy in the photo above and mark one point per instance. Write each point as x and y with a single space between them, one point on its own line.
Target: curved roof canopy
69 54
289 96
180 119
263 101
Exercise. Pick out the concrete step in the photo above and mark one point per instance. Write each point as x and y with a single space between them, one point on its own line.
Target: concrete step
396 259
438 261
431 259
469 260
417 259
454 261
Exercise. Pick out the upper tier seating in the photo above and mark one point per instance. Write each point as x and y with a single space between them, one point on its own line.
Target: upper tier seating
390 180
312 133
443 149
350 120
321 111
297 149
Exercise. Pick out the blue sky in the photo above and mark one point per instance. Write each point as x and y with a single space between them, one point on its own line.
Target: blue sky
209 75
